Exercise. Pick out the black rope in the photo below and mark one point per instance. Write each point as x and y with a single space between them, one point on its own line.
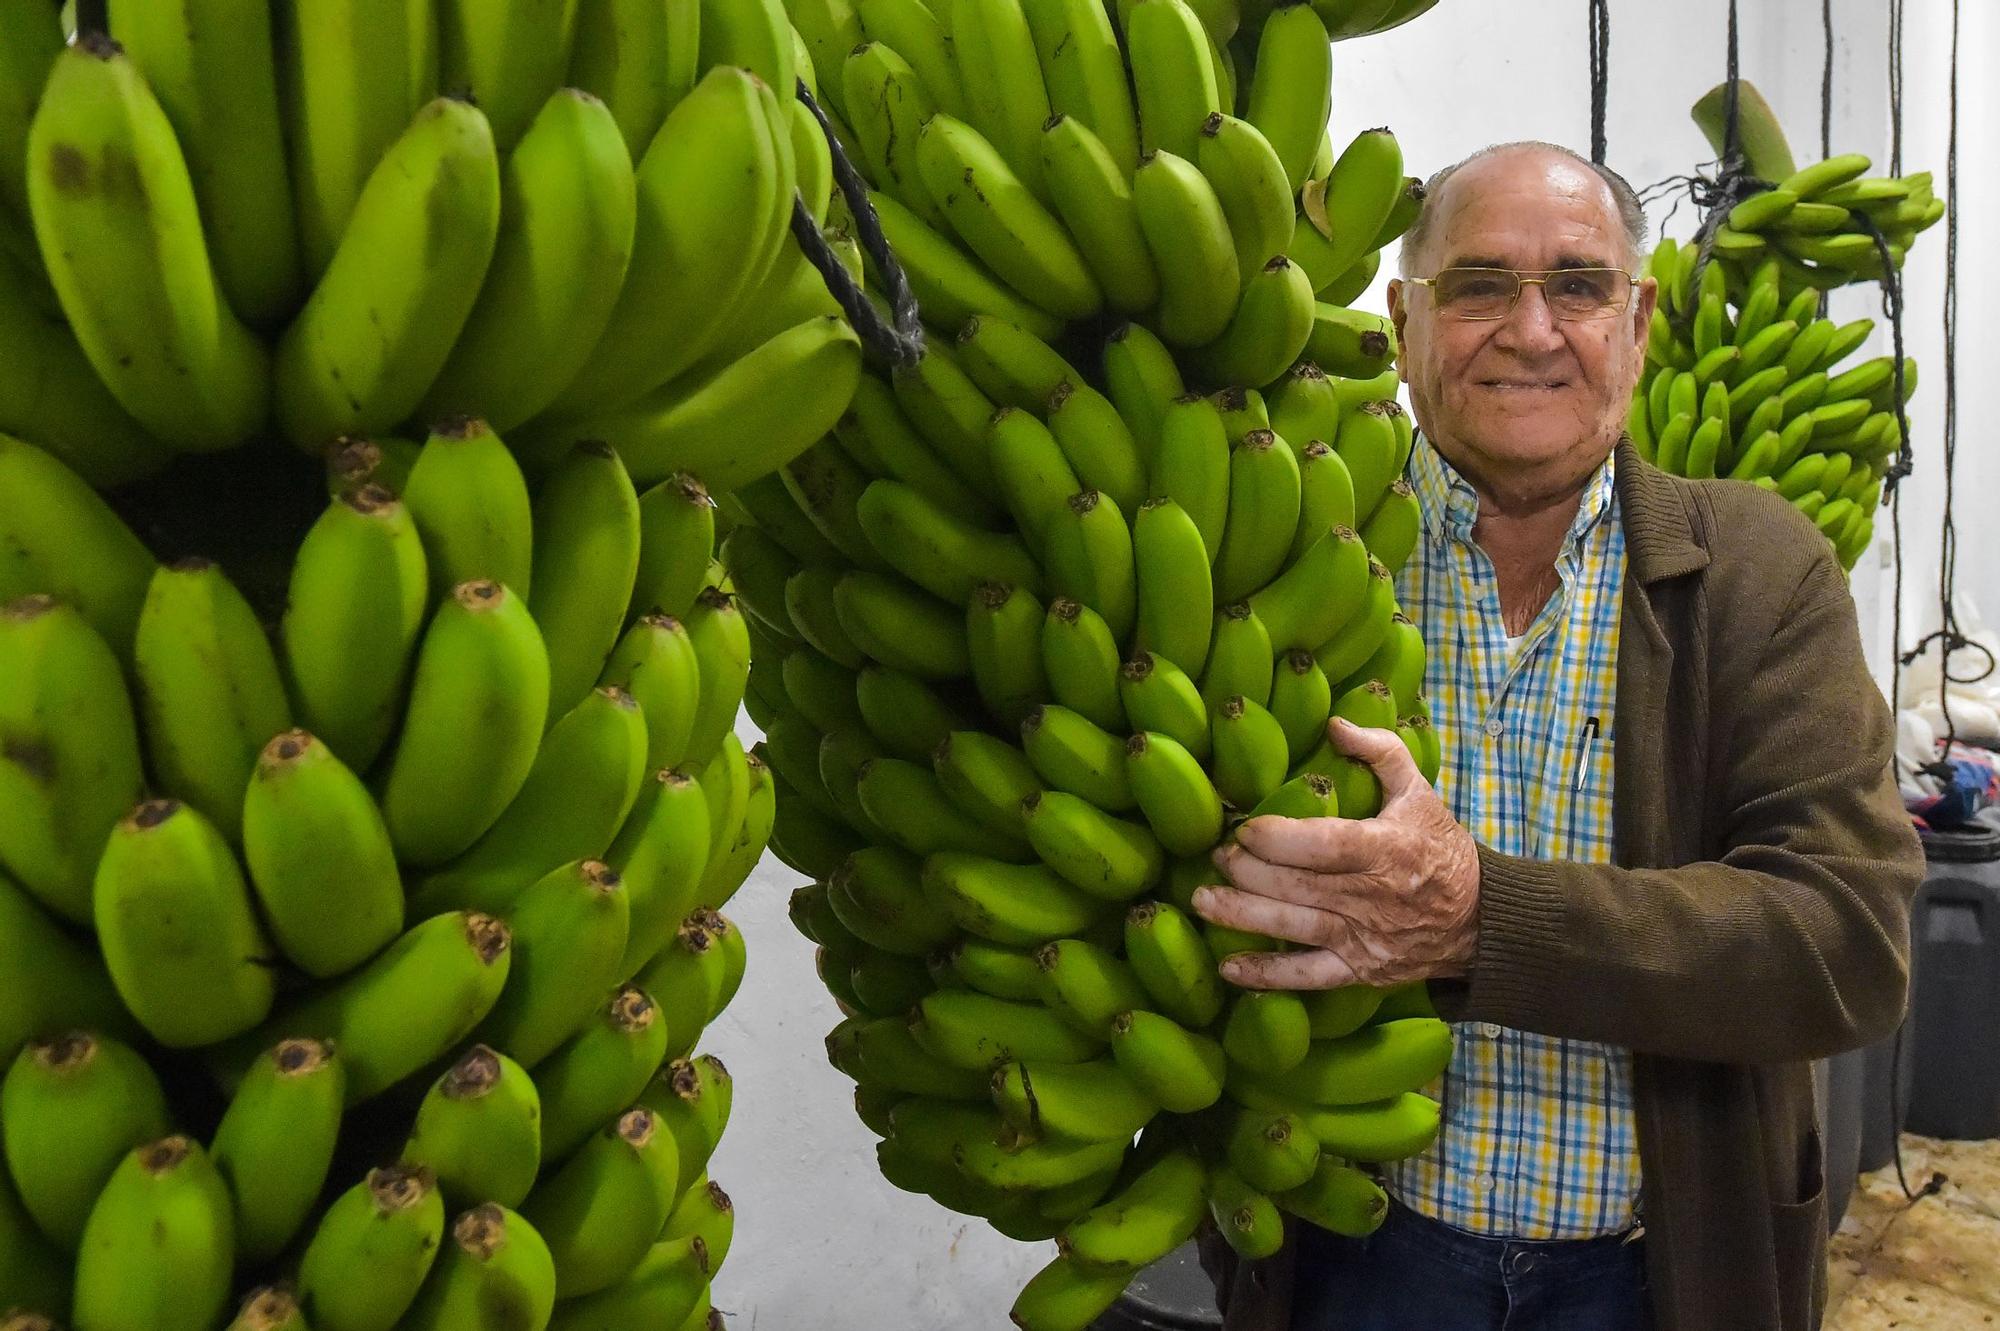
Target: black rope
901 342
1600 75
1732 151
1826 84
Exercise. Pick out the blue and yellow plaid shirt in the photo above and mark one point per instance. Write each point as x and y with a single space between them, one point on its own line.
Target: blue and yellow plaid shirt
1538 1139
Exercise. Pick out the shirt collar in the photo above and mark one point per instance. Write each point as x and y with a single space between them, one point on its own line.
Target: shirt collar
1450 506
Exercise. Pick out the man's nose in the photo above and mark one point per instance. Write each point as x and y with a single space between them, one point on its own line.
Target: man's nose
1531 324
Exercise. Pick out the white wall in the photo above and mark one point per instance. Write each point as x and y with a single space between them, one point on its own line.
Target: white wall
821 1241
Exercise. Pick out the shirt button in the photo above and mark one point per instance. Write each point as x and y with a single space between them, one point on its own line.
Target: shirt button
1488 1182
1495 727
1489 1030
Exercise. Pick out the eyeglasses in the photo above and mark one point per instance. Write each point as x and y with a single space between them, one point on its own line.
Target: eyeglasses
1490 293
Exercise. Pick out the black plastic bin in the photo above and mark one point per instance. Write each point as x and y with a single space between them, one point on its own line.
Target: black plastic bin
1955 934
1173 1294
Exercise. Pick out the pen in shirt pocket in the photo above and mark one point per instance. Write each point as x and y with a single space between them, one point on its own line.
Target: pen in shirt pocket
1589 740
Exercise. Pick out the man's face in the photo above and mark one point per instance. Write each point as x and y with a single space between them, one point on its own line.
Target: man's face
1527 394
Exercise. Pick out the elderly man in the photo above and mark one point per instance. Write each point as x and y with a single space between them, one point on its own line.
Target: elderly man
1665 865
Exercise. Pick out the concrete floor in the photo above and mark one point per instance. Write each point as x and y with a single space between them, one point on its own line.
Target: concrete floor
1932 1265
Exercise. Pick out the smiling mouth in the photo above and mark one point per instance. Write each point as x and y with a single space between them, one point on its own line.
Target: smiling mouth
1531 386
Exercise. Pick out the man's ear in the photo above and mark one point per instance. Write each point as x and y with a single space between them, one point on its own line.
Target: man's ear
1399 312
1644 297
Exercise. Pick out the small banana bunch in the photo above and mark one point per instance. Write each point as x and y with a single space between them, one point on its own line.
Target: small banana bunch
416 895
1752 390
1818 221
1023 650
1020 172
223 221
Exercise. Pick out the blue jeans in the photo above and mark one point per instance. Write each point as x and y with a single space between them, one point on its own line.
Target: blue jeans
1419 1274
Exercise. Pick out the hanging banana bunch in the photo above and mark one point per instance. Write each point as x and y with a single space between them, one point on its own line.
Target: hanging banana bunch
1050 610
369 790
1744 376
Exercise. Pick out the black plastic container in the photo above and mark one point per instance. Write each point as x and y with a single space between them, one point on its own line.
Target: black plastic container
1955 934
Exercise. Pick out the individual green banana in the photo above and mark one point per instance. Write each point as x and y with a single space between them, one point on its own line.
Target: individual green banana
1392 530
1003 629
685 977
1065 1297
1090 1101
600 1212
1141 378
993 208
1003 972
1097 443
407 1007
69 768
1005 98
72 1107
1264 496
900 626
1305 408
1175 794
477 703
1158 696
352 616
906 455
1174 77
939 551
1080 660
1368 447
720 131
493 1266
1011 904
1091 192
1246 1217
211 65
692 1098
1071 753
210 693
906 716
968 1029
676 536
1399 663
669 1284
1180 1068
721 645
1364 632
1084 72
908 803
661 854
826 483
1268 1031
1185 228
1350 343
1167 953
949 282
1033 474
1269 329
275 1143
1358 196
1250 180
584 783
705 1212
567 218
1011 365
116 216
1086 985
156 1251
639 58
890 1058
1105 856
1340 1198
1089 556
371 1250
1294 61
1191 466
478 1130
179 936
1301 698
1388 1129
1250 752
319 857
569 936
56 984
382 319
1375 1063
350 78
1153 1214
656 664
508 57
601 1067
1240 657
1272 1150
987 778
886 983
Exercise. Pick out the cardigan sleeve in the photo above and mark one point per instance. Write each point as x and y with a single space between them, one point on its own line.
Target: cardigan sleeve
1792 943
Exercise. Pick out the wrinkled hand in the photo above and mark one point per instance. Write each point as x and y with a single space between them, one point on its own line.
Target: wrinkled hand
1378 900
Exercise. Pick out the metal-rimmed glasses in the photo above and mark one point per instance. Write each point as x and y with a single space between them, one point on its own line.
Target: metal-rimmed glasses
1491 293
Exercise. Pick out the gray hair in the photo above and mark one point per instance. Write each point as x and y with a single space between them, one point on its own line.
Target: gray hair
1631 213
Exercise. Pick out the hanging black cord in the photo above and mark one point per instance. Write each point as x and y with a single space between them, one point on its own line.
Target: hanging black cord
1600 75
1826 83
899 340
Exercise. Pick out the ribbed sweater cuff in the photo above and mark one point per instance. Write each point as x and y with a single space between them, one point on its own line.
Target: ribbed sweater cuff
1515 975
